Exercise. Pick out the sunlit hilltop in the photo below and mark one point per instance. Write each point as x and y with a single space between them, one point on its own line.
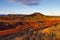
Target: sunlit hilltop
29 27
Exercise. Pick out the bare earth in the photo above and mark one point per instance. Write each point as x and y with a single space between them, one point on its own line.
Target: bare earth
29 27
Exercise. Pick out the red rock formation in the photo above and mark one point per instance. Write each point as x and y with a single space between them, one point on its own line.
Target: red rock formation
35 21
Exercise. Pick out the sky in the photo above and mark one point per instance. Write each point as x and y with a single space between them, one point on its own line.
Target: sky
46 7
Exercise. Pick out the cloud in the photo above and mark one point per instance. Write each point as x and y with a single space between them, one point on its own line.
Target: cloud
27 2
7 12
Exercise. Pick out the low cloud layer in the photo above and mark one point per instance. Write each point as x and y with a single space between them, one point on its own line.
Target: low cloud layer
27 2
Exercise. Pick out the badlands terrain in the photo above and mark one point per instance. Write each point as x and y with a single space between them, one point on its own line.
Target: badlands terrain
29 27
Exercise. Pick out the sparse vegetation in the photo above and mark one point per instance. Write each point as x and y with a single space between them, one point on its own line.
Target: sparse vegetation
31 27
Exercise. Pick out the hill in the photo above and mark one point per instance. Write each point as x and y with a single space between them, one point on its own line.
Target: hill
30 27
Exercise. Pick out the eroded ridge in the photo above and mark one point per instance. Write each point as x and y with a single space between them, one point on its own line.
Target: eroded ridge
12 24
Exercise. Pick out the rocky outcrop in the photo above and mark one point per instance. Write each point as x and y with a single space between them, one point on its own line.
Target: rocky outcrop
30 27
